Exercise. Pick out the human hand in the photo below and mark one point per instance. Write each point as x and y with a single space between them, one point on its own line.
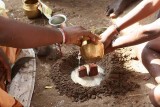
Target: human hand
107 38
75 35
110 48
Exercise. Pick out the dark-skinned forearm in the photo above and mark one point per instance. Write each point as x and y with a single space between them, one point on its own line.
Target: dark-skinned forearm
21 35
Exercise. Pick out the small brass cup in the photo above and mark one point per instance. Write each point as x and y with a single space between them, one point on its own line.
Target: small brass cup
31 9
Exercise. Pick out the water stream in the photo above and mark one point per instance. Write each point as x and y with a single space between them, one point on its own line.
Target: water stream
87 81
79 59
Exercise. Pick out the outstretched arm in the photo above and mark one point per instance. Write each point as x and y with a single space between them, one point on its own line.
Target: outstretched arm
21 35
144 9
143 34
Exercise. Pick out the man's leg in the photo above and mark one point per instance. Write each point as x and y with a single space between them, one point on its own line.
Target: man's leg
150 57
117 7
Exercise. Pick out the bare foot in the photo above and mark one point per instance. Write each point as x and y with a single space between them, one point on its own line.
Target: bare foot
117 7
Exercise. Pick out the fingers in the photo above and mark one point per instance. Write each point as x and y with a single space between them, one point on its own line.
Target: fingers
108 47
77 34
87 35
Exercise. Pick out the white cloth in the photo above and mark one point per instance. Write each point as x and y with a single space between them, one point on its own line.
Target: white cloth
22 85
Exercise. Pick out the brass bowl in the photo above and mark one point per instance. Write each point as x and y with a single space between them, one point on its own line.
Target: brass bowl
31 10
92 52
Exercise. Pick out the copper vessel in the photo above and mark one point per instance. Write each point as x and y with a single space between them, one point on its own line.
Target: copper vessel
92 52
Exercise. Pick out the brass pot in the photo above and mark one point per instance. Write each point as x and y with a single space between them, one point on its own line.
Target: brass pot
31 10
92 52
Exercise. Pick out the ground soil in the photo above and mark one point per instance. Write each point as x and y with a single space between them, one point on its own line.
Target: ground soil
124 85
